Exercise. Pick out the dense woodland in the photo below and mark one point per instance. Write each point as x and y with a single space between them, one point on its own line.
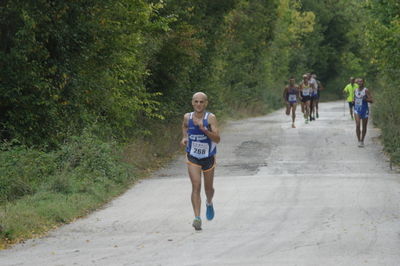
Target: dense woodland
80 80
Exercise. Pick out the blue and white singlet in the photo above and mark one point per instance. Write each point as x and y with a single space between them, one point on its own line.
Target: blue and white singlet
360 103
292 95
199 144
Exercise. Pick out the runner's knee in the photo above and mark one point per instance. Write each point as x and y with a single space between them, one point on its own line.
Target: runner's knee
196 187
209 189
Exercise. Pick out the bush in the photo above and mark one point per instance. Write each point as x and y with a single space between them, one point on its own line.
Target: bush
42 189
23 170
82 162
386 109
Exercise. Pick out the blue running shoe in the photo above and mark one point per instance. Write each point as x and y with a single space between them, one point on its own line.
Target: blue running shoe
210 211
197 223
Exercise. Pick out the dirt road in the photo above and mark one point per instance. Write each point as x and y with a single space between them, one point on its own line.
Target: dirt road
304 196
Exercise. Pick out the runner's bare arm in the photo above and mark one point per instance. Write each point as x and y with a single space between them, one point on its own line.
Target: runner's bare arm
285 91
185 125
321 87
213 133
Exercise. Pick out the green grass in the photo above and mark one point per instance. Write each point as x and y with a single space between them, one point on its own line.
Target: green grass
35 215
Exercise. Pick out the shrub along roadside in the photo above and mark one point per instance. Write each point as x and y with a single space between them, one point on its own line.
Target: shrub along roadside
41 190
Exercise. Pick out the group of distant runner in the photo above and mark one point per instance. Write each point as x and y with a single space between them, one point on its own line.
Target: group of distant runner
307 93
200 133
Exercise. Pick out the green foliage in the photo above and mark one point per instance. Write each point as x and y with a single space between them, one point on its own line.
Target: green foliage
54 187
286 53
184 62
386 111
383 38
240 62
124 65
65 64
81 164
23 171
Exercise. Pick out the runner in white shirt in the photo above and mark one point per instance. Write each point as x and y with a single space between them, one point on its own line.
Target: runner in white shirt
314 94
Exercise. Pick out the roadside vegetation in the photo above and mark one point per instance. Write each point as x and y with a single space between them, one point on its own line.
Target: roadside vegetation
92 93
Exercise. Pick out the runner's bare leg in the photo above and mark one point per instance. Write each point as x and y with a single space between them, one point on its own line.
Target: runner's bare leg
364 128
195 177
358 131
209 184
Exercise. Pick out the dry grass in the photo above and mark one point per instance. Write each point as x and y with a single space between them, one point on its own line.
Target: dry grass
150 153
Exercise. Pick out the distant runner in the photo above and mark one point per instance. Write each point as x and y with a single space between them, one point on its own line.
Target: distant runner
319 89
349 91
314 95
362 97
305 94
290 95
200 137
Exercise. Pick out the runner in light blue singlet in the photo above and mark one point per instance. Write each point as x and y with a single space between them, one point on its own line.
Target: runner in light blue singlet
360 103
362 97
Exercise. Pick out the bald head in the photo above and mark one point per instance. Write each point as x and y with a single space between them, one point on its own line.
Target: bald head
199 102
200 95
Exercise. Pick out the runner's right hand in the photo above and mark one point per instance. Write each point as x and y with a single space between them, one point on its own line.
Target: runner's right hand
184 142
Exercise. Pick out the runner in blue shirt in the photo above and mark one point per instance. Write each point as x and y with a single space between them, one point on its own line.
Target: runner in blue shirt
200 137
362 97
291 95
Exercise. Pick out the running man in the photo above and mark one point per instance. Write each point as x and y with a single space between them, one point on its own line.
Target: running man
349 90
313 96
362 97
200 137
320 88
305 94
317 95
290 95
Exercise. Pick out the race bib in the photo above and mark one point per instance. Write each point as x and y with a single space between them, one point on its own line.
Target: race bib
292 97
199 149
306 92
358 101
